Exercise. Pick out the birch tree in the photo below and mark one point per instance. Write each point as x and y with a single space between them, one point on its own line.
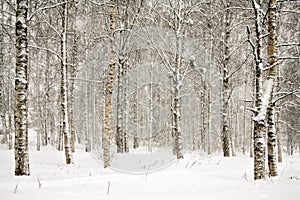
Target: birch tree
178 71
226 89
73 68
264 94
259 124
272 64
21 91
64 91
177 66
2 99
109 88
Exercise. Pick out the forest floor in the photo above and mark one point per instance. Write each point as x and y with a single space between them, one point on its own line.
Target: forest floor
194 177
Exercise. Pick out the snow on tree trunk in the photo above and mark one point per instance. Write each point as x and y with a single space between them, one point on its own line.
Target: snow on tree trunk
226 89
21 86
150 117
272 60
119 137
244 114
178 75
2 97
73 76
177 121
272 153
64 91
259 130
264 95
125 111
10 135
278 138
72 97
135 110
109 89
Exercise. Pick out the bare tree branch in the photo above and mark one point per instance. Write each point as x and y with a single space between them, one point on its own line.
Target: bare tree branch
45 8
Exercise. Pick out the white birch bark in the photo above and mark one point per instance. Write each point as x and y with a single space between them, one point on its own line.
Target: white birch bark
226 89
136 118
120 132
72 81
2 71
21 87
278 135
109 89
64 91
150 117
259 133
272 60
264 98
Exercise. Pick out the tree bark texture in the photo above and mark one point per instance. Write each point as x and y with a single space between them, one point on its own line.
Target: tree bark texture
119 137
272 151
135 110
21 87
259 130
109 89
177 123
226 89
64 91
2 71
272 60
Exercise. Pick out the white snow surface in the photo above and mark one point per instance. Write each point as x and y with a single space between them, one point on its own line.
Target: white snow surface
197 176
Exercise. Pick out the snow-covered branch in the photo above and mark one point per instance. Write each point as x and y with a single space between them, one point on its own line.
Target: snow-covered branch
274 64
237 69
286 95
288 44
85 80
46 49
288 125
52 27
11 5
100 4
45 8
288 58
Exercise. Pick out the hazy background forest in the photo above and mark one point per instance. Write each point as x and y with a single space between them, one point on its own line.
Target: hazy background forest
203 93
165 77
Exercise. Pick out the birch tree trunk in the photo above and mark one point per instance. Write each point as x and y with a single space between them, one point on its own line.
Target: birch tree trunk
264 99
21 87
109 89
72 82
2 71
244 114
272 62
150 117
259 130
226 89
10 125
177 121
125 111
120 131
64 92
135 110
272 151
178 78
72 97
279 147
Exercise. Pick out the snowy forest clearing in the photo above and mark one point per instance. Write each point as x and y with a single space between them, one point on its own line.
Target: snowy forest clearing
149 94
194 177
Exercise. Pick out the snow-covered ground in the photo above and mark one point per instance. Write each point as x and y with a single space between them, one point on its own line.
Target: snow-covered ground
195 177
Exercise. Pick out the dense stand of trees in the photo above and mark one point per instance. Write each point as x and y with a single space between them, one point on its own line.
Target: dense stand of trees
212 76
